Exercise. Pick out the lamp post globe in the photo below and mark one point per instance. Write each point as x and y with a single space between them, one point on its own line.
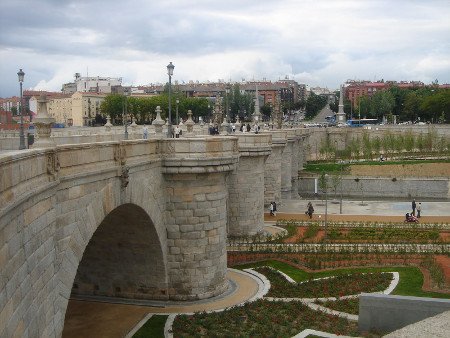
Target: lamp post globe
170 68
21 76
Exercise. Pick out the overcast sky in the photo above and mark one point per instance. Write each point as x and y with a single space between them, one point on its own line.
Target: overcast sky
317 42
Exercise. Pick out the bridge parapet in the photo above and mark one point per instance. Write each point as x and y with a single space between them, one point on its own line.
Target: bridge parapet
199 155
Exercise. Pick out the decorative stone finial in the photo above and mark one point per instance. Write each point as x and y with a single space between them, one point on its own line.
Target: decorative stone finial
43 123
108 124
190 123
133 124
158 122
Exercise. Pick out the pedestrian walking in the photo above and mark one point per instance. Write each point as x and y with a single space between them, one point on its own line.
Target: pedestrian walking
274 208
177 132
419 209
310 210
271 209
145 132
413 205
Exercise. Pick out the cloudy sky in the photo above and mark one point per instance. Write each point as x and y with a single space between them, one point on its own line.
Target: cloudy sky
317 42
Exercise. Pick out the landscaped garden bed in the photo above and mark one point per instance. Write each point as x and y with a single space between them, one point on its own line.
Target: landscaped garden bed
347 305
338 286
262 318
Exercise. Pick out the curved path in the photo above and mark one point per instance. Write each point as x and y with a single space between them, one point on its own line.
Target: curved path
99 319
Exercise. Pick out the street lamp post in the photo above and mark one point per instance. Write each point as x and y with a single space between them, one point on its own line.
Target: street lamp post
125 116
177 101
227 91
21 75
170 68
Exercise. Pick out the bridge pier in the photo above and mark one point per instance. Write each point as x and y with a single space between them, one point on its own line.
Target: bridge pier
286 165
272 169
246 185
196 216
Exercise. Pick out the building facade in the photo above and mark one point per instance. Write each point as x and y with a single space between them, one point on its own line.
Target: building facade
95 84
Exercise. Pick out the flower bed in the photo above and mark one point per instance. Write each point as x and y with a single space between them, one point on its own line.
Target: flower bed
261 318
377 225
331 287
347 305
317 261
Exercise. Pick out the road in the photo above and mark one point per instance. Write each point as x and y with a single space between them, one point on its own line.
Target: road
320 117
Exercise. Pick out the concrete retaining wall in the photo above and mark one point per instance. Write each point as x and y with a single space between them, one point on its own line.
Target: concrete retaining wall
387 313
383 187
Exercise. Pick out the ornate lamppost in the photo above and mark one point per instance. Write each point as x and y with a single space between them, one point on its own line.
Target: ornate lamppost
21 75
177 101
170 68
125 115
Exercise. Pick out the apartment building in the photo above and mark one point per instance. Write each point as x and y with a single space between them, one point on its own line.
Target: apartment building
356 89
94 84
78 109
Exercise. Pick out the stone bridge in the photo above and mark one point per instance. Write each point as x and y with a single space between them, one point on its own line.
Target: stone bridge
144 219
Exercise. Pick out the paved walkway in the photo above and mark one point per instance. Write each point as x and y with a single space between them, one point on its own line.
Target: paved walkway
389 210
97 319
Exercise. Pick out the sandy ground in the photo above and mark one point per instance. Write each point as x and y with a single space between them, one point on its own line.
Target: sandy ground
403 170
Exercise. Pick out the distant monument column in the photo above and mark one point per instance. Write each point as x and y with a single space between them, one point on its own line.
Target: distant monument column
340 116
257 113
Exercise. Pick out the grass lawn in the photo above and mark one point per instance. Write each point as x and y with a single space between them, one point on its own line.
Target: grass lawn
328 167
154 327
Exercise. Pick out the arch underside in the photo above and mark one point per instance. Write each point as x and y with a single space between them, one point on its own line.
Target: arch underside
123 259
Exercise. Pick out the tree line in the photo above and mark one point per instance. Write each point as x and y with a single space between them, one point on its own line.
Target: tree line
421 104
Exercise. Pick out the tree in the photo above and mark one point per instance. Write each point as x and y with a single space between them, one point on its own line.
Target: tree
411 106
382 103
437 105
314 104
266 111
112 105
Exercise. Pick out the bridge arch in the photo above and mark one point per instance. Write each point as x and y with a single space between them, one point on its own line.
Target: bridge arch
124 258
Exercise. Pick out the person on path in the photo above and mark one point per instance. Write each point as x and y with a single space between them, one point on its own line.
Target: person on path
419 209
271 209
177 132
413 205
274 208
145 132
248 128
310 210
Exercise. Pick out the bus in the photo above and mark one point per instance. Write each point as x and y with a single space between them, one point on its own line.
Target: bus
361 122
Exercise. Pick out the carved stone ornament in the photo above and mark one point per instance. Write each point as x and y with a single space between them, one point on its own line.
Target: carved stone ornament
124 178
53 165
120 154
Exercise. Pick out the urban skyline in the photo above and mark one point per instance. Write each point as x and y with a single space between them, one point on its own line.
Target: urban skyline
320 43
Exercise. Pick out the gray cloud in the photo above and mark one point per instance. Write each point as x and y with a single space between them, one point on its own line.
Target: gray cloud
322 41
